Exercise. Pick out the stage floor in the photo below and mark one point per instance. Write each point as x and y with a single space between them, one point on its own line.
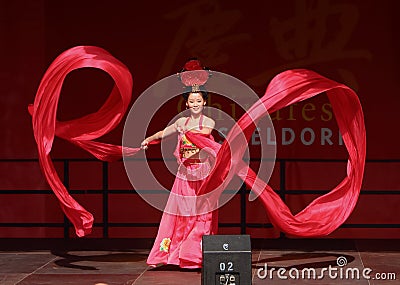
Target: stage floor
295 261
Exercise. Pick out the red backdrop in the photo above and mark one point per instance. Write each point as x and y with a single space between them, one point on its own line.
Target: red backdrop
353 42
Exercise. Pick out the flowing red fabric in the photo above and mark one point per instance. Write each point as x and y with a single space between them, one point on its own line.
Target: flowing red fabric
321 217
329 211
83 130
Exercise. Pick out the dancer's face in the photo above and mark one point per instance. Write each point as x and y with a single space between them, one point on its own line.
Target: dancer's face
195 102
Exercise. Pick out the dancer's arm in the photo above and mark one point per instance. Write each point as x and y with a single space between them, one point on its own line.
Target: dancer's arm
171 129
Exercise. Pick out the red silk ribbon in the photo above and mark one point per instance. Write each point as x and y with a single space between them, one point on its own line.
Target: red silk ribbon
326 213
321 217
81 131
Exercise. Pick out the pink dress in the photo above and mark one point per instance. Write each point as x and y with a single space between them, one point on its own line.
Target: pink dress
181 230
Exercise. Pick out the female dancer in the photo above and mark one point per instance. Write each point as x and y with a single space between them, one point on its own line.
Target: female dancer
179 236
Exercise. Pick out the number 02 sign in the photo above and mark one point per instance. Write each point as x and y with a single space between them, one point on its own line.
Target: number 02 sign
226 260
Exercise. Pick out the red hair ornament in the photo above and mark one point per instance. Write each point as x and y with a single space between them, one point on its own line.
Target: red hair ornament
194 75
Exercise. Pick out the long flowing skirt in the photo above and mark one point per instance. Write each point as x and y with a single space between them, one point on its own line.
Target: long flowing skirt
181 230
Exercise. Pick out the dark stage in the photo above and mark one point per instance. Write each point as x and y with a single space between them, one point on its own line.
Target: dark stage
118 262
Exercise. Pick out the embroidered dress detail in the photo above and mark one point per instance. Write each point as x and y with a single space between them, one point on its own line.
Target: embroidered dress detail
187 148
164 245
187 143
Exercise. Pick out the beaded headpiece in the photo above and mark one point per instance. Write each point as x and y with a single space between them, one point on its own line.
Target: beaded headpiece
194 75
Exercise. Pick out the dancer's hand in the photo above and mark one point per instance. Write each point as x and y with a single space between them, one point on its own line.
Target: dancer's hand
181 129
144 145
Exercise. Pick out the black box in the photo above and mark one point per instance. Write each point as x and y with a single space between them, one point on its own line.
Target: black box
226 260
